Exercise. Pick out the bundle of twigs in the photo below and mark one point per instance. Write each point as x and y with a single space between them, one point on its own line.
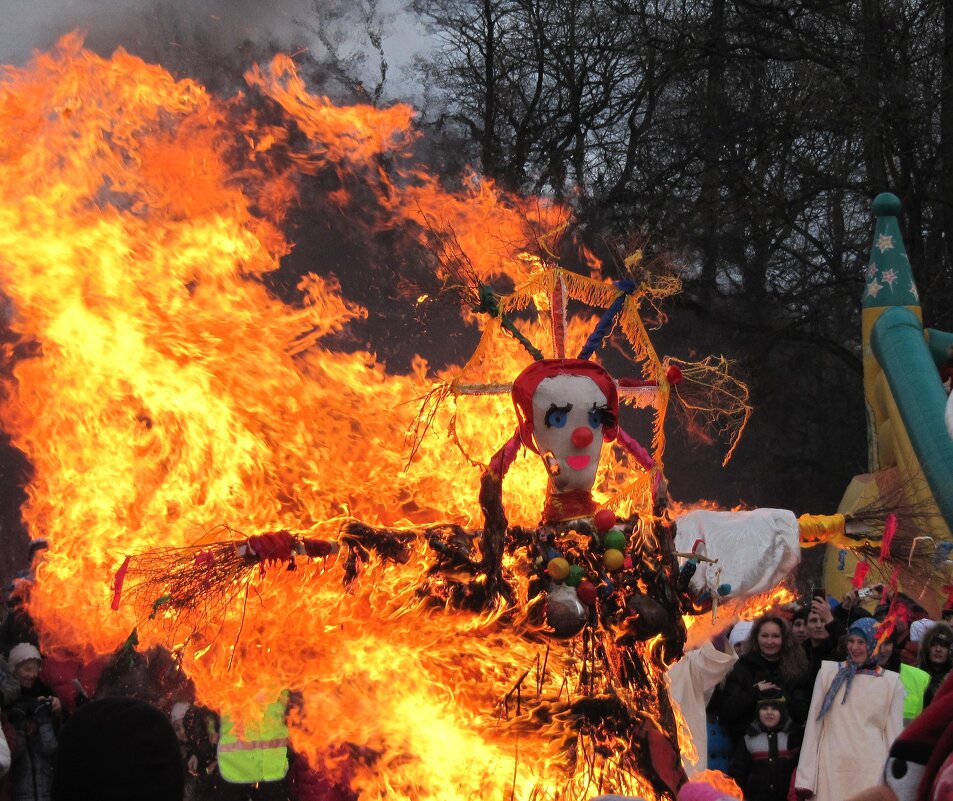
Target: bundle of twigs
889 534
202 580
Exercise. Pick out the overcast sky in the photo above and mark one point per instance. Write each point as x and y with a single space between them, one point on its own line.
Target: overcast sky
26 25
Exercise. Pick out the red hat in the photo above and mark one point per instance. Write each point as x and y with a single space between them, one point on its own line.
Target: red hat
526 383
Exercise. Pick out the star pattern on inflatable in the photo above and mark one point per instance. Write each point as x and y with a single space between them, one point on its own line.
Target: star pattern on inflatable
884 242
873 288
889 276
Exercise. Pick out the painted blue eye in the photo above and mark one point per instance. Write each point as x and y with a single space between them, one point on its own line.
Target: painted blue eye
557 416
595 418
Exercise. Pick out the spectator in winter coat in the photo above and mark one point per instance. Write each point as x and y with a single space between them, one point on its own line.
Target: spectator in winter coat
935 657
914 680
772 660
766 757
856 713
4 754
799 624
34 716
823 634
9 686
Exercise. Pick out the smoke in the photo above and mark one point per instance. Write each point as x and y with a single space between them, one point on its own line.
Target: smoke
134 24
214 41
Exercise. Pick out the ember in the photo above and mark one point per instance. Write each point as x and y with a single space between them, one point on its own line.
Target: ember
163 394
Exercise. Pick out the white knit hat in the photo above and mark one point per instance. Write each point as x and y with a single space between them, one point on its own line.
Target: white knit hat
740 631
23 652
179 708
920 627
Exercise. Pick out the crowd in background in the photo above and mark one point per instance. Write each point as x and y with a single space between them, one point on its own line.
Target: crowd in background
811 698
803 703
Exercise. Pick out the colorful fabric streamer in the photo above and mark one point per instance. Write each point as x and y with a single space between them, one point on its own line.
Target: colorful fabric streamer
605 324
890 528
860 574
117 583
631 444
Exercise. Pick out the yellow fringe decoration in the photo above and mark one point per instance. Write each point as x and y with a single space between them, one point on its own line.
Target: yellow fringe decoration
712 401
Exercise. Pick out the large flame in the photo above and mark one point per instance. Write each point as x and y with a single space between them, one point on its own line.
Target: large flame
168 391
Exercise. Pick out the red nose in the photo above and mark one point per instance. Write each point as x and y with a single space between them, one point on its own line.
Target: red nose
582 437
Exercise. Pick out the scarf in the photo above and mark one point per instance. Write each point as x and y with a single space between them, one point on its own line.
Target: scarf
846 672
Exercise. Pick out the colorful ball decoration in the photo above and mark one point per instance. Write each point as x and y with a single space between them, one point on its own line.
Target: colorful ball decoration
613 559
614 539
564 611
558 568
604 519
576 574
586 592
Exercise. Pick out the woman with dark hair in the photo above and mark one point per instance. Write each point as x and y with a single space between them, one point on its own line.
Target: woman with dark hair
771 660
856 713
935 657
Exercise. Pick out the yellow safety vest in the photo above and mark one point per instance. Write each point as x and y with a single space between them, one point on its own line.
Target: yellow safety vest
261 755
915 683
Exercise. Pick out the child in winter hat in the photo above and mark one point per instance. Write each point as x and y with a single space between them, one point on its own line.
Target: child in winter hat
766 757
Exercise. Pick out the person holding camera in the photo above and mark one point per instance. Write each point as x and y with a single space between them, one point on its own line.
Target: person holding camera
34 715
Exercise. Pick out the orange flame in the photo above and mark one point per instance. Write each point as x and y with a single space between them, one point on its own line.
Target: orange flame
172 392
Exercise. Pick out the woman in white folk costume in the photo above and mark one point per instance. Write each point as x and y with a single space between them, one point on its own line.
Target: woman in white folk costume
856 713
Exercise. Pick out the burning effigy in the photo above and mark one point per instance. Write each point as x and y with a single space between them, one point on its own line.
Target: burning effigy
485 613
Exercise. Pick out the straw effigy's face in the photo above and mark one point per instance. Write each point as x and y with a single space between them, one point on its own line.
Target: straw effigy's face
568 413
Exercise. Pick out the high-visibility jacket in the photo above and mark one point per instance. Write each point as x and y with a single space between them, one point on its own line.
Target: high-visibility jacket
261 754
915 683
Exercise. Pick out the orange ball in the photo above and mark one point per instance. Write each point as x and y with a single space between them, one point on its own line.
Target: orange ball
613 559
558 568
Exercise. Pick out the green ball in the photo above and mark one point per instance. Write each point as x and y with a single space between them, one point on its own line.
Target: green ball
614 539
576 575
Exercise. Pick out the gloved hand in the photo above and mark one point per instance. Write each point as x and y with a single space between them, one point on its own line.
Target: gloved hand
43 712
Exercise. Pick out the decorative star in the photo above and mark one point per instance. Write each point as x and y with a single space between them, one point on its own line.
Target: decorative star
913 291
871 270
890 276
873 288
884 242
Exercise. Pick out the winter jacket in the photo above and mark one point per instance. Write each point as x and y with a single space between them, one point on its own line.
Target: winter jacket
9 686
4 754
31 772
826 649
937 674
915 683
739 698
764 761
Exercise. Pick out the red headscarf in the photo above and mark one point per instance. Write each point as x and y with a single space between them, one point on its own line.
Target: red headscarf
526 383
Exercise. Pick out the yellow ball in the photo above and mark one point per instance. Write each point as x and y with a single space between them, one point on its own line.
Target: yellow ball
558 568
613 559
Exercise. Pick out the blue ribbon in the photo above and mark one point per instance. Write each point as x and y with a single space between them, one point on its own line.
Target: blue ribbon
605 324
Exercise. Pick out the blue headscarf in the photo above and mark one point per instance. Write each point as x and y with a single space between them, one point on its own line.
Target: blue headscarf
866 627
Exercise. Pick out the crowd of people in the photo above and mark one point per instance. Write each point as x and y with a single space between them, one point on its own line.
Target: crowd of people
818 693
795 705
